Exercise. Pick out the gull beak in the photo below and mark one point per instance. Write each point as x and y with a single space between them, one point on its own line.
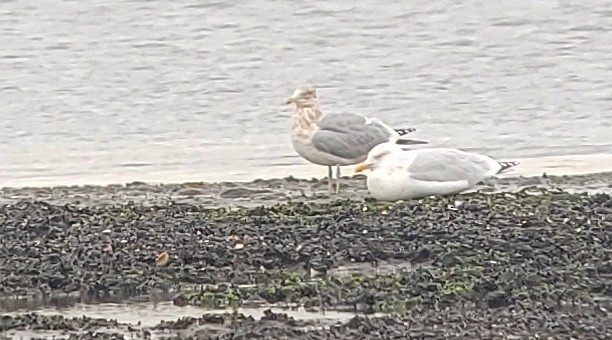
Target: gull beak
289 100
361 167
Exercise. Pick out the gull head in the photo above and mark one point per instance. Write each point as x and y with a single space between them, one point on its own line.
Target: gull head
303 95
377 155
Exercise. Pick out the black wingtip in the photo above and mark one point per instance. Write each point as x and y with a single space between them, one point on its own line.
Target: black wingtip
410 142
402 132
507 165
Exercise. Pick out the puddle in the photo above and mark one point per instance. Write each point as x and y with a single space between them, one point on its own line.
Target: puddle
143 315
138 314
149 314
66 301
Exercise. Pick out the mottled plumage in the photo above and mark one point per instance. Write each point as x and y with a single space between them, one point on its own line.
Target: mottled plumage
337 139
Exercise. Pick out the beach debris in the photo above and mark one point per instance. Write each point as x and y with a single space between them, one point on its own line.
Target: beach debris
162 259
107 247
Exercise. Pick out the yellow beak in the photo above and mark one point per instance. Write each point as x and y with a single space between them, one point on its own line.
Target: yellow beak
361 167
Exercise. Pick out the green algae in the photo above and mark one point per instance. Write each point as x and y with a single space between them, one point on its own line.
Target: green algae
469 241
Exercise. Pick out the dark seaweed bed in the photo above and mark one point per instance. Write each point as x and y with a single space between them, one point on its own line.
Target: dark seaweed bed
532 263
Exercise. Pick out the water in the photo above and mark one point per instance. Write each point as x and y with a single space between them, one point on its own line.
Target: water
149 314
169 90
146 315
148 311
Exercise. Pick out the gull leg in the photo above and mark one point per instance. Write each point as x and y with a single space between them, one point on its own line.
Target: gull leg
330 172
337 179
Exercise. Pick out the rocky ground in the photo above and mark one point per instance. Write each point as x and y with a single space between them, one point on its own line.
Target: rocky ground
516 262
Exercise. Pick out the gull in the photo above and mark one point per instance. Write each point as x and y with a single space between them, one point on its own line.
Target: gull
336 139
402 174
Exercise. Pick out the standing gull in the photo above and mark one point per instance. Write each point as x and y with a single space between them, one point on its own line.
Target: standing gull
399 174
336 139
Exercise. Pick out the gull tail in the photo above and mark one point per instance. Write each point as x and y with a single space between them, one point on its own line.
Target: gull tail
402 132
406 131
507 165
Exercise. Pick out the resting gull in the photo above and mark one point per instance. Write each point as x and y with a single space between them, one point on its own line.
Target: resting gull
337 139
398 174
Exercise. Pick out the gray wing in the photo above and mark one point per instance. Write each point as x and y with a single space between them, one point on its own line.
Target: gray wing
349 136
442 165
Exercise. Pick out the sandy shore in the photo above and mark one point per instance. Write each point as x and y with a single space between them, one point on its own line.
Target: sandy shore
569 165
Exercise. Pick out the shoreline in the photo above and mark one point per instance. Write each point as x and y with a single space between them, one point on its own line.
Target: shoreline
569 165
268 192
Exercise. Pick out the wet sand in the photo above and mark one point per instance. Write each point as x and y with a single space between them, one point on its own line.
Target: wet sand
96 244
276 190
569 165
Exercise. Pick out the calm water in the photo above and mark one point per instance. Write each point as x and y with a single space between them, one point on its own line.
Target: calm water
175 88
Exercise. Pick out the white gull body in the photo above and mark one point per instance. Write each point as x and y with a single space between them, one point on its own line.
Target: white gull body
398 174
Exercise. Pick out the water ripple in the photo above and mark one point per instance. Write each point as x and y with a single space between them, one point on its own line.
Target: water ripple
151 83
